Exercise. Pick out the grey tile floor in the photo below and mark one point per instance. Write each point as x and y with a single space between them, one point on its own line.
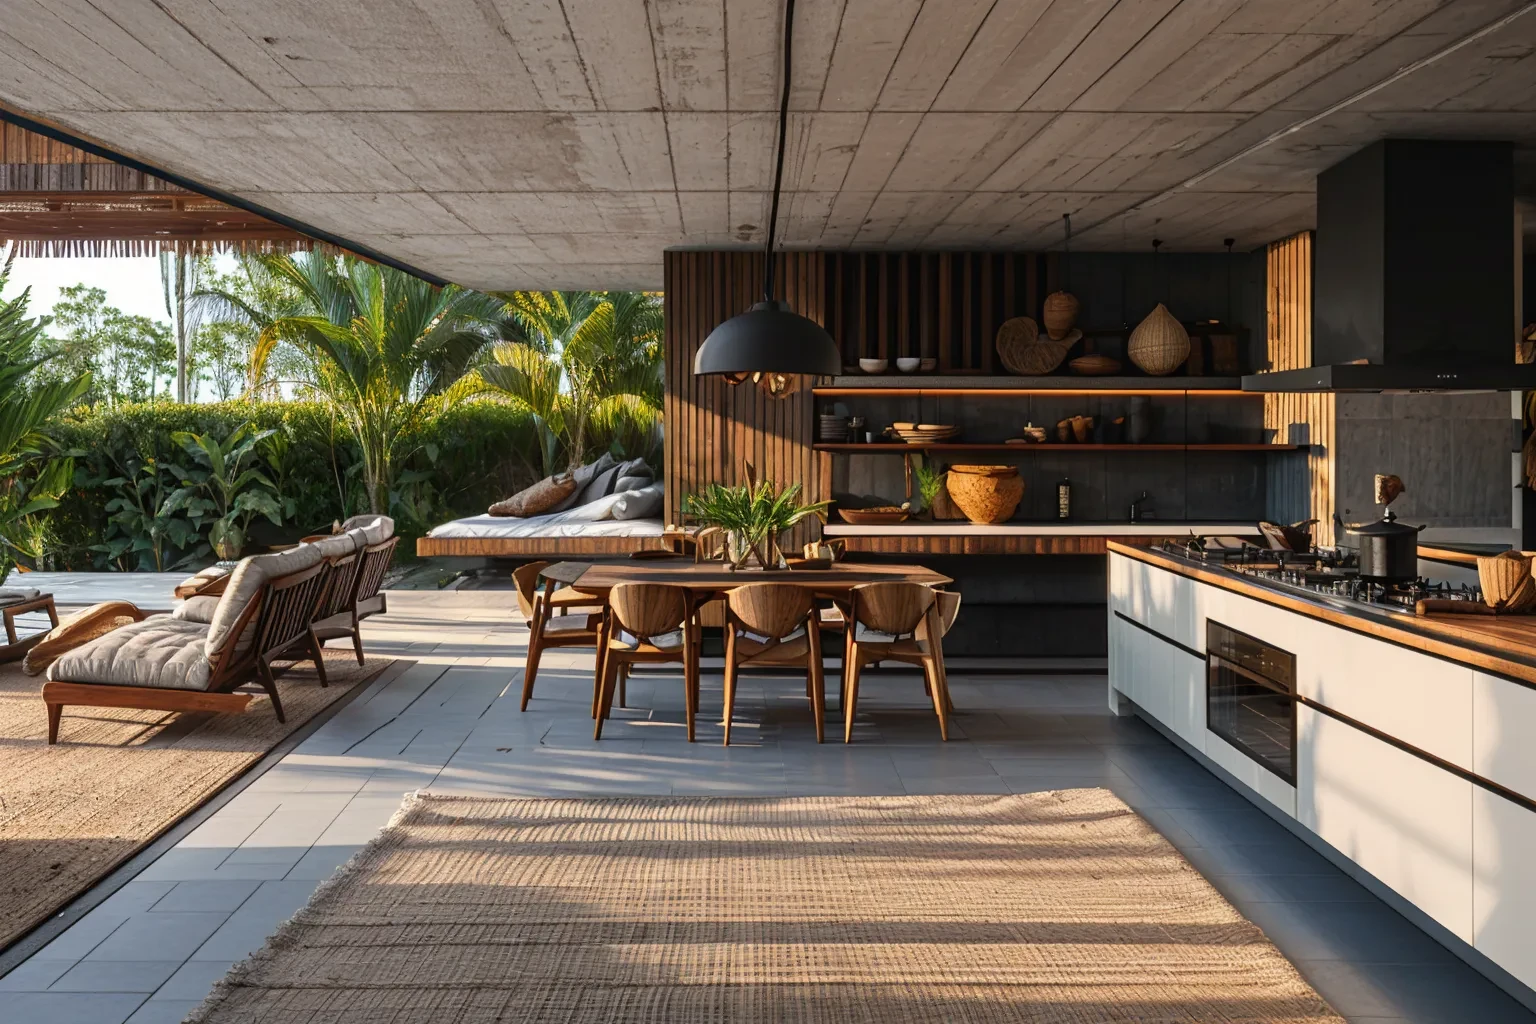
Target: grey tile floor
450 722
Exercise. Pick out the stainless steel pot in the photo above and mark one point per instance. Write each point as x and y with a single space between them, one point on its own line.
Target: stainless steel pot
1389 550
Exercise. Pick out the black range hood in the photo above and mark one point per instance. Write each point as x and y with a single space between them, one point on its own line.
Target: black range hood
1413 273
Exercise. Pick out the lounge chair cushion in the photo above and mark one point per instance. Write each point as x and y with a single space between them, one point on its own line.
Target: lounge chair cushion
211 580
162 652
197 609
536 500
340 545
245 585
644 503
376 528
16 595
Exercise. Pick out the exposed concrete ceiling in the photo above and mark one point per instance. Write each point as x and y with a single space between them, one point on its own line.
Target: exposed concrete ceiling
566 143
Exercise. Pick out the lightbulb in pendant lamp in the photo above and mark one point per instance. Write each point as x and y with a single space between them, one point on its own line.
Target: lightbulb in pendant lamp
771 343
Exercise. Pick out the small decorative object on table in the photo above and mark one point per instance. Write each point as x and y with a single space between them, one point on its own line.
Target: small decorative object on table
882 515
924 433
1092 364
986 494
1082 428
874 365
752 516
1064 499
1059 314
908 364
1507 582
1159 344
1034 434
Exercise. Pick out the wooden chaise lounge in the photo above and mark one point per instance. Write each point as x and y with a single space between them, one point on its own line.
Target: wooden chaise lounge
354 594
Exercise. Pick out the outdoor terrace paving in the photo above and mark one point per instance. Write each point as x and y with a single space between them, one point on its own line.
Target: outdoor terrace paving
150 951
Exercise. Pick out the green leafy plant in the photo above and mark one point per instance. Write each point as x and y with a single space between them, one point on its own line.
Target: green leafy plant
222 489
930 481
756 513
138 537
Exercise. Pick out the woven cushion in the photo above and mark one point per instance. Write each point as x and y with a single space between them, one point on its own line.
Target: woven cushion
211 581
644 503
538 499
162 651
245 585
583 475
377 529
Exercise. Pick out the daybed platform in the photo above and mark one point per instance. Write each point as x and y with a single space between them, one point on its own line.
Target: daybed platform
540 537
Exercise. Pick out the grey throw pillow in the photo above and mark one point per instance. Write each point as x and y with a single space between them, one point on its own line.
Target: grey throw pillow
634 475
600 486
644 503
583 475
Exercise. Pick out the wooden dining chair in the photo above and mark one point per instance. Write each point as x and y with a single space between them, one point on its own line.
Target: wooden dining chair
577 625
773 624
903 622
650 623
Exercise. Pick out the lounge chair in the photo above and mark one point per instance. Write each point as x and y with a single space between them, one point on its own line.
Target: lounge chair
195 658
14 602
354 593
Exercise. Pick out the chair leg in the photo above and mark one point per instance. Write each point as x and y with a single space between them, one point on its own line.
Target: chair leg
604 655
730 679
605 699
931 674
317 649
269 683
535 650
357 643
623 681
851 692
818 680
55 712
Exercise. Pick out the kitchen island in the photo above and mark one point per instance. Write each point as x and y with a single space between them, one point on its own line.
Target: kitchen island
1402 746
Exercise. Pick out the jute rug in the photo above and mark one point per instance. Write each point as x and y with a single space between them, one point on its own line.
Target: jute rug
1051 907
118 778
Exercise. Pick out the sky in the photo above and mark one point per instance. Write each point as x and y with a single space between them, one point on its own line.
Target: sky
132 283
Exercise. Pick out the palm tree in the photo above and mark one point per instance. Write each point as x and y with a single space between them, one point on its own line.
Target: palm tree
180 273
31 479
582 359
243 304
384 345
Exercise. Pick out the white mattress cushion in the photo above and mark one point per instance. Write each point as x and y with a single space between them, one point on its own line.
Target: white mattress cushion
574 523
245 585
162 651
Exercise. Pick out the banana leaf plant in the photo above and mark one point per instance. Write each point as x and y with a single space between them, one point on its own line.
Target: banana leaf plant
221 487
752 515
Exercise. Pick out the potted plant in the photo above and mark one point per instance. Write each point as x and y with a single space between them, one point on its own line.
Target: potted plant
752 515
930 481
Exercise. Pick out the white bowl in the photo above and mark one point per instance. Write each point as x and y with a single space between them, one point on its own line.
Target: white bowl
907 365
874 365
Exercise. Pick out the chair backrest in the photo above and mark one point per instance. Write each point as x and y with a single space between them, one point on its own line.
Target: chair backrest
526 579
949 609
288 605
649 609
774 610
894 608
374 563
232 618
341 553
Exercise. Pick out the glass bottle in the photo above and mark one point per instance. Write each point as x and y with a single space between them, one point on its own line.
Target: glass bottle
1064 499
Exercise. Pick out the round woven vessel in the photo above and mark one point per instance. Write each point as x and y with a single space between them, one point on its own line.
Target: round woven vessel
1059 314
1506 581
1159 344
986 494
1024 352
1094 365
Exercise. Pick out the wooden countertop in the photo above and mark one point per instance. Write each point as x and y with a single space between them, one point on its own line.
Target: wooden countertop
960 528
1502 644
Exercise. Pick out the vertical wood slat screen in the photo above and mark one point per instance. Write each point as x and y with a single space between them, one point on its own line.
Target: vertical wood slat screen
1300 418
711 426
35 163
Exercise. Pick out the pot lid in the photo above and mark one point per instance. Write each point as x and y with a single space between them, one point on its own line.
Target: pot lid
1387 526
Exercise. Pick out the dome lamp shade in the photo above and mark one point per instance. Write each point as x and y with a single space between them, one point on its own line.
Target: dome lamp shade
769 338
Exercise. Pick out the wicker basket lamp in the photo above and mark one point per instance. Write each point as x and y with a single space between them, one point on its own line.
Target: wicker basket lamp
986 494
1024 352
1059 314
1159 344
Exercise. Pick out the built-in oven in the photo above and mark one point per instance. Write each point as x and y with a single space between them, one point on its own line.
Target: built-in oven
1250 697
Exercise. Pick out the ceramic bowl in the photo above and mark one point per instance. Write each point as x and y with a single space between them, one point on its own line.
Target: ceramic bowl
874 365
907 364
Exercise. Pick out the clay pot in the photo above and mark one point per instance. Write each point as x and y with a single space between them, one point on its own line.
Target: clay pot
986 494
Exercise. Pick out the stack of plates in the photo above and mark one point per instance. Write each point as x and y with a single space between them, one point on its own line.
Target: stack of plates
834 429
925 433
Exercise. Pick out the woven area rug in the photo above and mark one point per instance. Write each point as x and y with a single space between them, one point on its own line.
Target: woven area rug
118 778
1048 907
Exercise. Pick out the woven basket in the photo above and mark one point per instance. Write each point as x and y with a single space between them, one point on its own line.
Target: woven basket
986 494
1059 314
1024 352
1506 581
1159 344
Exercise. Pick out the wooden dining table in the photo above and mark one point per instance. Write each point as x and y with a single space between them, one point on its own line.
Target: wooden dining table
710 580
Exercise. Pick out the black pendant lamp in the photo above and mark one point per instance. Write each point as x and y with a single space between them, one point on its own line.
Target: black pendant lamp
770 341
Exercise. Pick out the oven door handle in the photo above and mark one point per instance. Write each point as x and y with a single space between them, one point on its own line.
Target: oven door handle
1250 675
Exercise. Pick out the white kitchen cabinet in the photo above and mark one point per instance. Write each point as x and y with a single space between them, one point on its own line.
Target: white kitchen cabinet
1399 817
1160 600
1504 883
1504 733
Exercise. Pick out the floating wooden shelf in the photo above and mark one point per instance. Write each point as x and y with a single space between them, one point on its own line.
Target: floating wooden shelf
922 384
855 449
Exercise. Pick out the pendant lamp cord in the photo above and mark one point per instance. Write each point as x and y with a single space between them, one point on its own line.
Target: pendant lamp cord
778 171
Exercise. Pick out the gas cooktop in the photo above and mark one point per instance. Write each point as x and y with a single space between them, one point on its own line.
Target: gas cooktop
1346 586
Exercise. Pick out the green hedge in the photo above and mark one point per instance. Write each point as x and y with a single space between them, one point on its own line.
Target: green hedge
462 461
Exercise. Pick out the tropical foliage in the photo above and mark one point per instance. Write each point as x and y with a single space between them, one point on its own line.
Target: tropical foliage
753 514
34 472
